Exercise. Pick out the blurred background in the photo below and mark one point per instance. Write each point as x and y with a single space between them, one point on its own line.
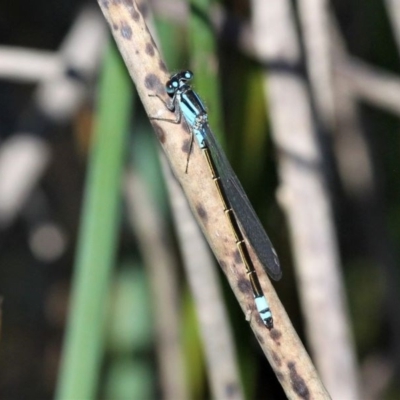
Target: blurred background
305 98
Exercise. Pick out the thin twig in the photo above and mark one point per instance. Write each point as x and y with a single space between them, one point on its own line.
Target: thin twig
314 19
371 84
334 354
393 12
361 185
303 193
54 101
62 95
22 65
23 159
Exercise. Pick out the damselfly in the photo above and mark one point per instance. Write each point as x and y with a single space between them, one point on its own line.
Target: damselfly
241 215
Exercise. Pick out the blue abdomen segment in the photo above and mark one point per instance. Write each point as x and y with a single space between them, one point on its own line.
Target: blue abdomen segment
199 134
264 311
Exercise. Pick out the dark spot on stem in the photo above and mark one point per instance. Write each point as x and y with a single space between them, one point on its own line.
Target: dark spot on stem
275 335
202 213
135 15
152 82
277 359
126 30
244 285
186 146
298 383
115 27
150 49
128 3
159 132
105 4
237 257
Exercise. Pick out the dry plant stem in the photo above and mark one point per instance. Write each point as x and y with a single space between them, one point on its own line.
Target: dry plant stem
315 17
22 65
303 193
377 373
351 148
162 270
62 95
23 160
57 98
393 12
281 345
204 283
356 171
378 87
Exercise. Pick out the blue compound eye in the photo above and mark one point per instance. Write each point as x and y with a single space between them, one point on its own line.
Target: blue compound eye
171 86
188 75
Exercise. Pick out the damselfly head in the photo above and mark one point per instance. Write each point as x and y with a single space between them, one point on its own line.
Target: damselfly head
177 81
